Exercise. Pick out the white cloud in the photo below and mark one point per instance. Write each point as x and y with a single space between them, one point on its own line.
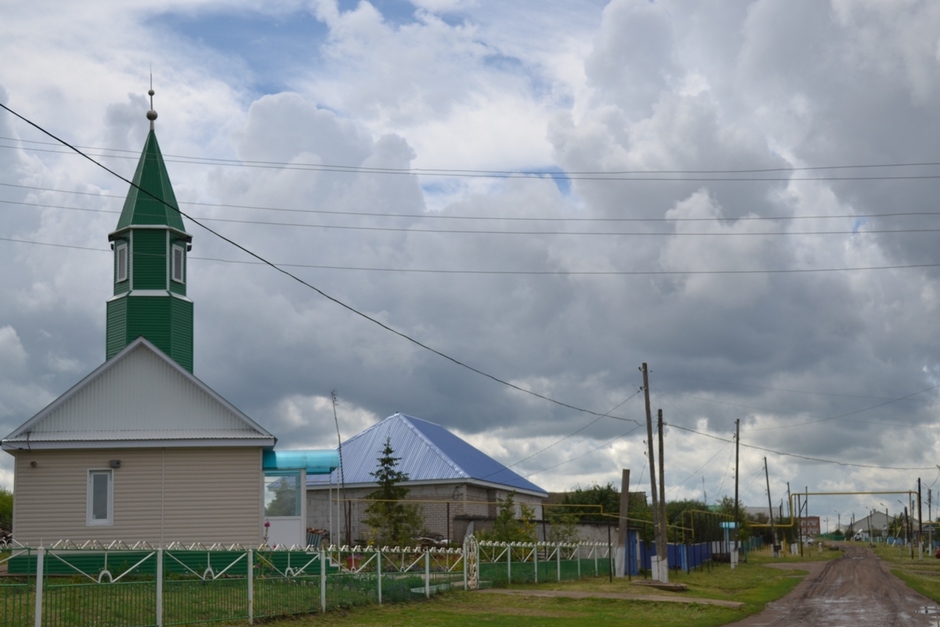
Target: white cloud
813 363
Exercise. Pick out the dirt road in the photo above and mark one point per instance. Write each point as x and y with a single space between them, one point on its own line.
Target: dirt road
856 590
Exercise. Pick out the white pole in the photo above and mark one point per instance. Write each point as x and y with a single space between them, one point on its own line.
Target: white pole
378 572
535 558
251 587
160 587
322 580
40 556
427 574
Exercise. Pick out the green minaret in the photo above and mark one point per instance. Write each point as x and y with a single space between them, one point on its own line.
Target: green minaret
150 246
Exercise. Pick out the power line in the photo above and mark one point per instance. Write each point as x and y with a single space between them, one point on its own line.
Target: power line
612 175
804 457
333 299
765 387
574 433
599 273
410 230
442 216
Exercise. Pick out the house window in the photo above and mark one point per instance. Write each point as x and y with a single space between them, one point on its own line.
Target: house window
120 255
179 262
282 493
100 507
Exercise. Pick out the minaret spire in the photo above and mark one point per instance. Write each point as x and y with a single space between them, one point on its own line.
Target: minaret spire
150 246
152 114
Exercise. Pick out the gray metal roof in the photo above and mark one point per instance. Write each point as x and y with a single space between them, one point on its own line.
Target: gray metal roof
139 397
427 452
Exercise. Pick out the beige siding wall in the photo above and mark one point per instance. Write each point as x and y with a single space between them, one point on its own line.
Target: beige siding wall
184 495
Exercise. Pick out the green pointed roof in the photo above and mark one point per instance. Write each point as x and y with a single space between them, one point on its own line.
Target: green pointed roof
141 209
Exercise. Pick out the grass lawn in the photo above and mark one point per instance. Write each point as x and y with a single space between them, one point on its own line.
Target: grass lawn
753 584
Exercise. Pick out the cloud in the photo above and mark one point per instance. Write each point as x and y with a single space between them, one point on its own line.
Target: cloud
723 191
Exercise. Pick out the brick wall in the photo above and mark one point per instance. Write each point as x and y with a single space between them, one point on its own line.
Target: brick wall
447 508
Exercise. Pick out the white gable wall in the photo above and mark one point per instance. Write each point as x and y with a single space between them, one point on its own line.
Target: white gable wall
140 395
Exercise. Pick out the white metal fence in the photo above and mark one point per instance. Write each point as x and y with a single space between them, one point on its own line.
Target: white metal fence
67 584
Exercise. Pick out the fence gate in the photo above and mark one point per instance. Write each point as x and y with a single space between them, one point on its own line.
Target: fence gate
471 560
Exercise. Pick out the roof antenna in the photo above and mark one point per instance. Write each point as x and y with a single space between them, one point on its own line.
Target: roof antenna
151 115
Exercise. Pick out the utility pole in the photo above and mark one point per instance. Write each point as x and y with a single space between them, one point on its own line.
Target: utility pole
624 535
920 520
654 496
663 519
737 473
770 506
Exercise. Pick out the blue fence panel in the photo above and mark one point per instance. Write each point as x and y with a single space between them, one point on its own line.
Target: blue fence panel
681 556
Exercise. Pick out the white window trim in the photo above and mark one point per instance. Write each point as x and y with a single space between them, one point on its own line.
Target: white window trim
89 502
121 269
178 268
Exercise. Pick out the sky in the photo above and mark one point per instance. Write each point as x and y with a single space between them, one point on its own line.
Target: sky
506 209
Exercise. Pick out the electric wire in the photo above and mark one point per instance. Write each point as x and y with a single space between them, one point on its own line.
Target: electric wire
613 175
599 273
322 293
442 216
410 230
803 457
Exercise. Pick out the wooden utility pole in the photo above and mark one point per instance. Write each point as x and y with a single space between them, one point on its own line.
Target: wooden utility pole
654 497
737 473
920 517
623 537
663 519
770 506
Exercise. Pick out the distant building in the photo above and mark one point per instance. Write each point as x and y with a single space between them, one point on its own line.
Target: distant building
458 486
809 526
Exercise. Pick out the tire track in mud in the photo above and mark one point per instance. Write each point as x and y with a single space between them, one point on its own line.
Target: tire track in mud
856 590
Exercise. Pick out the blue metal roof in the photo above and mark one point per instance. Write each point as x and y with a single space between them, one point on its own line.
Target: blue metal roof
427 452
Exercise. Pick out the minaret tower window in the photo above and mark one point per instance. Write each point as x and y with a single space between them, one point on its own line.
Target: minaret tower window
120 260
179 265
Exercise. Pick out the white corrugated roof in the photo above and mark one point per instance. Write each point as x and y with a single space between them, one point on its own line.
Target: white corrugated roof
140 397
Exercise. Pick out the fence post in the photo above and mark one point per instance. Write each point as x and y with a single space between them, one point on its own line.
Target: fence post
509 561
594 549
378 572
427 574
558 559
40 556
466 577
251 587
160 587
577 552
535 559
322 580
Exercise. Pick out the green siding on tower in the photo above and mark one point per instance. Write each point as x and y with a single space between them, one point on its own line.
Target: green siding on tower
149 303
149 260
167 322
117 327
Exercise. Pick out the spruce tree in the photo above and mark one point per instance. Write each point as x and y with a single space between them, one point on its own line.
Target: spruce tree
393 521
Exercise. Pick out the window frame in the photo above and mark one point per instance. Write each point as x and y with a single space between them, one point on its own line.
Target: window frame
90 519
178 268
121 266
